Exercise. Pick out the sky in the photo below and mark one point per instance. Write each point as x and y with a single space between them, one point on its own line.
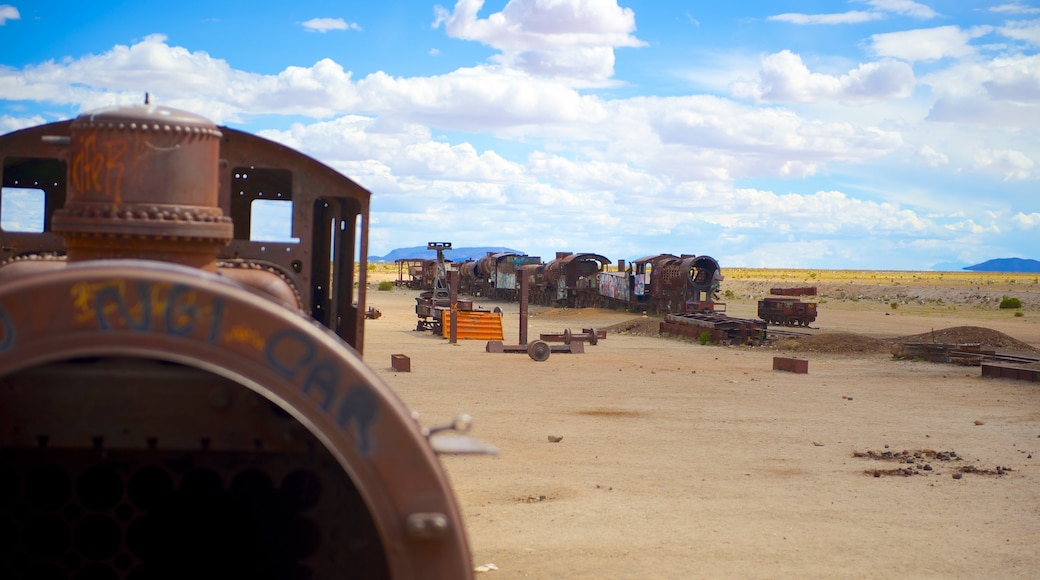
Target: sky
860 134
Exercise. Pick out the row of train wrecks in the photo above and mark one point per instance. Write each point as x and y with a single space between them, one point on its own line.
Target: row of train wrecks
685 289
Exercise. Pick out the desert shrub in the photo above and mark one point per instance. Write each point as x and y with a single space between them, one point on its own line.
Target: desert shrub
386 285
728 294
893 305
705 337
1010 302
371 267
1020 314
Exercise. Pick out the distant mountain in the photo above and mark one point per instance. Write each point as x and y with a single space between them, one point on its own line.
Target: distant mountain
454 254
1006 265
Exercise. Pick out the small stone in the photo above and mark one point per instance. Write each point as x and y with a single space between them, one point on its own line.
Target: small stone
979 422
927 466
555 438
958 475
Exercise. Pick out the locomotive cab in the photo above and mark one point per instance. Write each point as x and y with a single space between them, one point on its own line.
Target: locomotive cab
182 396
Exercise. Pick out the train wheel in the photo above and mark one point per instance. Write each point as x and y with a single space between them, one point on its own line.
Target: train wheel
539 350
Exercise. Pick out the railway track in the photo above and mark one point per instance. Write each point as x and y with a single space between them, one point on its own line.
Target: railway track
998 357
792 333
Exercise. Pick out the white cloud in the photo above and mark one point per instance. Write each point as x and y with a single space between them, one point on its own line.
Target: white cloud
931 157
969 226
1014 79
9 123
550 167
8 12
1026 221
326 24
1011 165
927 44
1004 91
903 8
784 77
572 39
881 10
1014 8
853 17
1025 31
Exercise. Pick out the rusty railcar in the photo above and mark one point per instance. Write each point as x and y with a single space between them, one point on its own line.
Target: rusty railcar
570 280
499 272
180 396
786 311
664 283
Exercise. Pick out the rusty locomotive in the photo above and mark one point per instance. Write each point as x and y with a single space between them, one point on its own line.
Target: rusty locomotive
654 284
180 396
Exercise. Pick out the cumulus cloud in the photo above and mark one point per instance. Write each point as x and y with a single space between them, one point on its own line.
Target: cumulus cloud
784 77
927 44
1004 91
8 12
1024 31
931 157
1014 79
572 39
647 169
1012 165
1026 221
326 24
9 123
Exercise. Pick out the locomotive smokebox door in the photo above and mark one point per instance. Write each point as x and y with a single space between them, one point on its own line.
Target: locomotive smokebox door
170 407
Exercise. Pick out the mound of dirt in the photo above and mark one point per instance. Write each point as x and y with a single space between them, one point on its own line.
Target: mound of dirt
849 343
986 337
835 343
643 326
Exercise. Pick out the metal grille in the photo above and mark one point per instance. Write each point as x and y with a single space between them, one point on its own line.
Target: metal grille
88 514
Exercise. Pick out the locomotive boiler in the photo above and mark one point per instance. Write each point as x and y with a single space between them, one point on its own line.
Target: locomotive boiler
181 395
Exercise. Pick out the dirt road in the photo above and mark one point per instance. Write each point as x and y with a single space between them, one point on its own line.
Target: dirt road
678 460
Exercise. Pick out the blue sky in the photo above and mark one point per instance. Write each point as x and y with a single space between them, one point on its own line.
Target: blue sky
867 134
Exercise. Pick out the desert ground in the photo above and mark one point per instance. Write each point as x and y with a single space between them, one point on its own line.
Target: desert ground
682 460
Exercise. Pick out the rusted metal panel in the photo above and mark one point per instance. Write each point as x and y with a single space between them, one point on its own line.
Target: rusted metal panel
1009 372
474 324
401 363
724 328
799 291
791 365
614 285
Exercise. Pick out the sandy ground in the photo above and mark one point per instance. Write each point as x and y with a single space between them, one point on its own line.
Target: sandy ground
679 460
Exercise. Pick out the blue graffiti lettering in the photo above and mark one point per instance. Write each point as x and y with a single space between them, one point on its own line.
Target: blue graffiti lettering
292 354
359 405
113 295
174 313
291 337
324 377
